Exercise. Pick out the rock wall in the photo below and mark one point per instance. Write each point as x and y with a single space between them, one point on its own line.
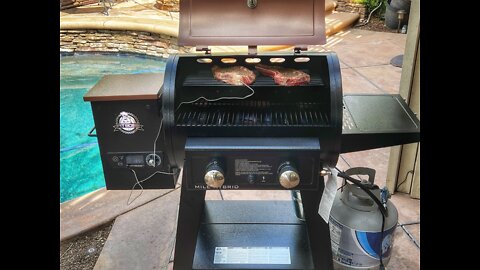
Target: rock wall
119 41
352 6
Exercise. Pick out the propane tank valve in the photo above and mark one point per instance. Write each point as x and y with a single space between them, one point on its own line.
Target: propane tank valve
325 172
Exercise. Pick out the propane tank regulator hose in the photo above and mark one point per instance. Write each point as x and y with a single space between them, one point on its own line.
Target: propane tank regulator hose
362 186
383 209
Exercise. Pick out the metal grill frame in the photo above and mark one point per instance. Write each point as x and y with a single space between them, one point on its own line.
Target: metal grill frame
324 65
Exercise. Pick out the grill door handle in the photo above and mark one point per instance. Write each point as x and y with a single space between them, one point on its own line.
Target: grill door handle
90 133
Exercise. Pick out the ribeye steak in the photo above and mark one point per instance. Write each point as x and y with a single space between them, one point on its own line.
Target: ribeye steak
284 76
236 75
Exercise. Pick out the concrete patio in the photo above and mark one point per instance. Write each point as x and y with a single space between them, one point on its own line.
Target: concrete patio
143 234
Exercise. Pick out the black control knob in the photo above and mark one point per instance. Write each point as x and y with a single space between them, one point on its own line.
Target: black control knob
288 176
153 160
214 176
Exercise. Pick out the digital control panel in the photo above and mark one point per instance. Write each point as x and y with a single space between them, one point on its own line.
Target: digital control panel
135 159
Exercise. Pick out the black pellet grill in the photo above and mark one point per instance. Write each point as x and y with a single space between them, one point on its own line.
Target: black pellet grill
251 141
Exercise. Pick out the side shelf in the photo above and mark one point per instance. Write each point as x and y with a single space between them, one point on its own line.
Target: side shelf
376 121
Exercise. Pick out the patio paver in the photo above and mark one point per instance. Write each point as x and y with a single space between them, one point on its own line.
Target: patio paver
97 208
143 238
354 83
405 255
385 77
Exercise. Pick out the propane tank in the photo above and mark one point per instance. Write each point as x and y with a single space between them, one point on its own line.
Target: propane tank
356 222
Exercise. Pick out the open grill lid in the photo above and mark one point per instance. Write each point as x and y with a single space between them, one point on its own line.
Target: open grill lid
252 22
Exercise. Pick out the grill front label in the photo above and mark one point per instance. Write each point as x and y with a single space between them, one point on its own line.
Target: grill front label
252 255
252 167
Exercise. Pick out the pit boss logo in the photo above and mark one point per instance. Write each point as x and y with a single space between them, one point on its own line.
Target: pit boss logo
127 123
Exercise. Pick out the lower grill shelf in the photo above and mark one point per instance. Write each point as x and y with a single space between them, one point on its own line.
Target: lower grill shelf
242 225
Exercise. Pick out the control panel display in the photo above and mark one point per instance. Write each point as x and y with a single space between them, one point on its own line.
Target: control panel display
135 159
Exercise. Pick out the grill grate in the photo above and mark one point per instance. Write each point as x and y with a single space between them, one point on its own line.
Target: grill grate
205 78
252 113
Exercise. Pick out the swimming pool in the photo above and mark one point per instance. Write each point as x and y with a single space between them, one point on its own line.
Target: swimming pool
80 165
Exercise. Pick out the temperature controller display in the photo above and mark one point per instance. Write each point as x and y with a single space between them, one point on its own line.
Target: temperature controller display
138 160
135 160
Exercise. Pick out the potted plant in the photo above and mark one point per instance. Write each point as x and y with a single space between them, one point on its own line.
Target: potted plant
396 13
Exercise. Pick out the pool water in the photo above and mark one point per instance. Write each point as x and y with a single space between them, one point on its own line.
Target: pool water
80 165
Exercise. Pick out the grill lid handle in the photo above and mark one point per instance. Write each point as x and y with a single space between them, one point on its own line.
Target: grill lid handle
300 48
252 3
200 48
252 49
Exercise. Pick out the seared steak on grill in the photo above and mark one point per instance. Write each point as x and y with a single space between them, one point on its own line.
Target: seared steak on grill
234 75
284 76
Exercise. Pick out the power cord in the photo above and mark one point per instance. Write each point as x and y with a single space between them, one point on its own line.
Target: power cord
139 182
370 15
155 141
381 206
404 180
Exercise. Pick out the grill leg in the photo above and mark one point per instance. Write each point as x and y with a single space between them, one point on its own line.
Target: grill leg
189 213
318 230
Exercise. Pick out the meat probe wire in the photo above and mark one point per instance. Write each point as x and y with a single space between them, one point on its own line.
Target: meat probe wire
138 182
220 98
